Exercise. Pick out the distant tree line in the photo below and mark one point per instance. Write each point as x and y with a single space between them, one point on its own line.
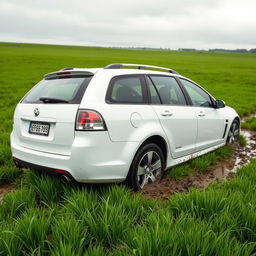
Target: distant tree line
187 49
220 50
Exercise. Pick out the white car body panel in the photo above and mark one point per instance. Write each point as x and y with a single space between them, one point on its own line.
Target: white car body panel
180 126
106 156
211 126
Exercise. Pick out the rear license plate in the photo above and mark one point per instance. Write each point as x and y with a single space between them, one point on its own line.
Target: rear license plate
39 128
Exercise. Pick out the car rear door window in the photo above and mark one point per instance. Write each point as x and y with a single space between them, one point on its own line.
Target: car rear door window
197 95
127 89
169 90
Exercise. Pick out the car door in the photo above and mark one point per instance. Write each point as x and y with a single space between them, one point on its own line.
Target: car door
177 119
211 122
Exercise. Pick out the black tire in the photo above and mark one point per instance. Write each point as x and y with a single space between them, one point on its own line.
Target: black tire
234 132
153 170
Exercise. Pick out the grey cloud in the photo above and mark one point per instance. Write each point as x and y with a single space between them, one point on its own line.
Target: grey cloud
162 23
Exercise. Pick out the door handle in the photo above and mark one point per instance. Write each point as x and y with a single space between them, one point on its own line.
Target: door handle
166 113
201 114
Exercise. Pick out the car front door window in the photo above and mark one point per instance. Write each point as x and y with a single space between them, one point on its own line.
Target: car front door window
198 96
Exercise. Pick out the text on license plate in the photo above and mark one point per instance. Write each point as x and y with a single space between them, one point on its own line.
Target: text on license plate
39 128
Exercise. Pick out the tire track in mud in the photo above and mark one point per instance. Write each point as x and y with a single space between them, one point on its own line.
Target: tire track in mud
223 170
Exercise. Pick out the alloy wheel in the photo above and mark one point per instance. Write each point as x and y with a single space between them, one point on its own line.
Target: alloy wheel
233 134
149 168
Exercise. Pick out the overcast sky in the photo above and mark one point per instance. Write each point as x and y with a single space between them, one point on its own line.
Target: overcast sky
171 24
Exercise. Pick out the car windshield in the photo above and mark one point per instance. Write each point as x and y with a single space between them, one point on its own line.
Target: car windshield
62 90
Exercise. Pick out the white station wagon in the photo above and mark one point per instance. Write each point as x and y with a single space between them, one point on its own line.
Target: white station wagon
124 122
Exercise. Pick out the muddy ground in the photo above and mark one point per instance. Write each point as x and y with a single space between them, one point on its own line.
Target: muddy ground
222 170
4 189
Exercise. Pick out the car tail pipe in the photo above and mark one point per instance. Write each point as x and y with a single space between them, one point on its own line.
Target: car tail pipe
65 179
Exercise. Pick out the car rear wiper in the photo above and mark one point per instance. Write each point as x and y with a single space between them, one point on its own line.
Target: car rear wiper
52 100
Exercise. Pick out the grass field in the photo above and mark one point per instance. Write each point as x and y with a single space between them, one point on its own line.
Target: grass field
250 124
45 217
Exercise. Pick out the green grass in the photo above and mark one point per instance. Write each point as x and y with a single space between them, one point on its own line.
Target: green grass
217 205
9 173
16 203
47 189
200 164
250 124
112 221
45 217
242 140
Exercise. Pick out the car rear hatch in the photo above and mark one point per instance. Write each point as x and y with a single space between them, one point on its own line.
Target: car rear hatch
45 119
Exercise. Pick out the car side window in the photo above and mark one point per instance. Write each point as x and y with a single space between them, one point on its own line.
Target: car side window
126 89
153 92
169 90
198 96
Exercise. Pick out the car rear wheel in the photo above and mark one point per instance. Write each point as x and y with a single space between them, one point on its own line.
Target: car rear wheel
234 131
147 167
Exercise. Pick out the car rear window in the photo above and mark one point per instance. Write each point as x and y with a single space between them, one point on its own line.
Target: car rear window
70 90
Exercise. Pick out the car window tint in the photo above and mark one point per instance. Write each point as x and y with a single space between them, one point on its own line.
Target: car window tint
153 93
169 90
127 89
198 96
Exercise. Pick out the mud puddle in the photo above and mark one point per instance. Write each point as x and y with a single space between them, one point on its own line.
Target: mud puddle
4 189
221 171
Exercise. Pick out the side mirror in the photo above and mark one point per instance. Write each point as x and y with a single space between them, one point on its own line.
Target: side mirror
219 104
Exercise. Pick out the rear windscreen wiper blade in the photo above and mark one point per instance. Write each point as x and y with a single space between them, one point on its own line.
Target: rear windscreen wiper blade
52 100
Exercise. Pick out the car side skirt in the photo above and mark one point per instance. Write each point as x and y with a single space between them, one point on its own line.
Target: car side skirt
181 160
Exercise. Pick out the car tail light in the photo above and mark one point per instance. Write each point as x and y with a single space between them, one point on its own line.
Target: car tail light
89 120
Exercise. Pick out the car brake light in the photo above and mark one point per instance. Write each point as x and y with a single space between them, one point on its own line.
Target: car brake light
63 73
88 120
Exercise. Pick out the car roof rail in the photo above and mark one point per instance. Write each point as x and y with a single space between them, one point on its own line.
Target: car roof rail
139 66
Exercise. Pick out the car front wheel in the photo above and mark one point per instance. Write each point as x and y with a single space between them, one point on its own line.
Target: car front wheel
147 166
234 132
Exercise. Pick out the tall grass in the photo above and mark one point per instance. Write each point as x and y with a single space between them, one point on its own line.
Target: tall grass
27 234
112 221
107 222
16 203
250 124
69 233
31 229
9 173
48 189
9 244
233 206
166 235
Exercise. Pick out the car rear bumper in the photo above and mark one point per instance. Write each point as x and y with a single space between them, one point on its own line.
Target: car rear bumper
94 158
22 164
